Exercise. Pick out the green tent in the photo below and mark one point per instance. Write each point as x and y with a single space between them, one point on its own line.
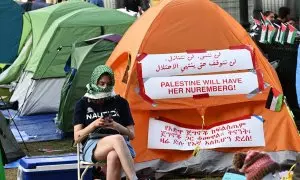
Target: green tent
47 61
35 24
43 74
2 172
42 19
86 56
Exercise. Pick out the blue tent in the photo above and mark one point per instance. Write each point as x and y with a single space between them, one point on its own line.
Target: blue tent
11 22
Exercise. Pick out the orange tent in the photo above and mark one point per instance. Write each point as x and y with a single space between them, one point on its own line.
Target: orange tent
176 26
154 2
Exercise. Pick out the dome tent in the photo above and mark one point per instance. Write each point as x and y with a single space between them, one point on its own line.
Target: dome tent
43 76
176 26
35 24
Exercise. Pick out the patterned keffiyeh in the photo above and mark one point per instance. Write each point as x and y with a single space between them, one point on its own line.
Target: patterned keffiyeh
97 92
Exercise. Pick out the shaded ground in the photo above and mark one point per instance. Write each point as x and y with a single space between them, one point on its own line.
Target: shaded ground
64 147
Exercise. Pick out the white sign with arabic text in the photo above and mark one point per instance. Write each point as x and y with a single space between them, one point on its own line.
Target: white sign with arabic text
163 65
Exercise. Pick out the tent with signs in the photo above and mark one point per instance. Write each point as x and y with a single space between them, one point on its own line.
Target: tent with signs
86 55
207 90
43 74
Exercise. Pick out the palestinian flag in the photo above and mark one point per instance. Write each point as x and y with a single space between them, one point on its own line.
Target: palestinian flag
274 101
263 34
271 32
292 34
277 34
282 33
257 23
264 18
2 173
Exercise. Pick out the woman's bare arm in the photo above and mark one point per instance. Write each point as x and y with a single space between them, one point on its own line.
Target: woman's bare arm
128 130
80 133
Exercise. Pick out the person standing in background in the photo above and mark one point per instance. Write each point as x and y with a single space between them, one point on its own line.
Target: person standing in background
133 5
283 15
270 15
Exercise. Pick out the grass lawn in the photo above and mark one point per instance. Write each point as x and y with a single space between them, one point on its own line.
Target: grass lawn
65 146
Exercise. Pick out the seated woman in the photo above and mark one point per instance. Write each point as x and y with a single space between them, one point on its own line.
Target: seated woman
88 117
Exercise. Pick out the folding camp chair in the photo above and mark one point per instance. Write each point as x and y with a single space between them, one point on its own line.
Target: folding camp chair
89 164
84 164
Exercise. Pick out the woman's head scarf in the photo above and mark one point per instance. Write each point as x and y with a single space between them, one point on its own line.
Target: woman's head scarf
97 92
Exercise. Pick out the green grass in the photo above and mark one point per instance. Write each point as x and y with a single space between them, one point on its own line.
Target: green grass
65 146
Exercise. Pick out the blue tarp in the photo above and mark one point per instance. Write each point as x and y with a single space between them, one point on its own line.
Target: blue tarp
33 128
12 165
298 76
11 23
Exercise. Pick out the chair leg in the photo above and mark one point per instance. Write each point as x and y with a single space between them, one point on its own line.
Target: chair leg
78 171
85 170
78 162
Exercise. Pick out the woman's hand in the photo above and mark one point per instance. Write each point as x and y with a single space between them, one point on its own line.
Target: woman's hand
129 130
109 122
98 123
